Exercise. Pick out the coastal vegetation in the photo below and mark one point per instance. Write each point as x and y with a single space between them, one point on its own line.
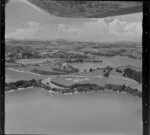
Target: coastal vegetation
87 87
21 84
118 70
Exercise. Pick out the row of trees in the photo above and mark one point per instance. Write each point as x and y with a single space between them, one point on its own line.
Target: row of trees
21 84
94 87
119 70
71 89
26 84
86 87
133 74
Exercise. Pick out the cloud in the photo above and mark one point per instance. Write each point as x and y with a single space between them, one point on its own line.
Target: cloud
69 30
114 27
89 28
104 30
127 29
21 33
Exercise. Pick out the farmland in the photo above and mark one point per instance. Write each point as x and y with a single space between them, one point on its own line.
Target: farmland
73 62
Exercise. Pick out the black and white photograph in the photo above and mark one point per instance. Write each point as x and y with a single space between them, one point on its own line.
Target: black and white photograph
73 67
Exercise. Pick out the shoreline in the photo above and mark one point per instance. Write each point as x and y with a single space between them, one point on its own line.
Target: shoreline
18 89
75 92
90 92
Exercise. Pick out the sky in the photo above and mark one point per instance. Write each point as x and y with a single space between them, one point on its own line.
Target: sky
26 21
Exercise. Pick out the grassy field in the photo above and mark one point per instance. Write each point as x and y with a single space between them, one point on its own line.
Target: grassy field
96 77
114 54
12 76
33 61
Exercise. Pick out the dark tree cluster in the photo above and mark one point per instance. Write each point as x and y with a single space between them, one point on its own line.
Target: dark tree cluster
118 70
133 74
21 84
86 87
72 88
44 86
123 88
115 87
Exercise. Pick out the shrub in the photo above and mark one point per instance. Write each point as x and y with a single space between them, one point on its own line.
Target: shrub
118 70
106 74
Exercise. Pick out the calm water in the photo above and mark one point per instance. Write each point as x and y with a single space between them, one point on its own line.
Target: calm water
37 111
115 61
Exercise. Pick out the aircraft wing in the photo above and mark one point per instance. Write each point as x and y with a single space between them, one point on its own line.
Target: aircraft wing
88 9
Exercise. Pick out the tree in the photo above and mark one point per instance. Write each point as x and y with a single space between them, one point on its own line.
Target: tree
90 69
98 68
106 74
122 87
128 72
133 74
118 70
108 67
